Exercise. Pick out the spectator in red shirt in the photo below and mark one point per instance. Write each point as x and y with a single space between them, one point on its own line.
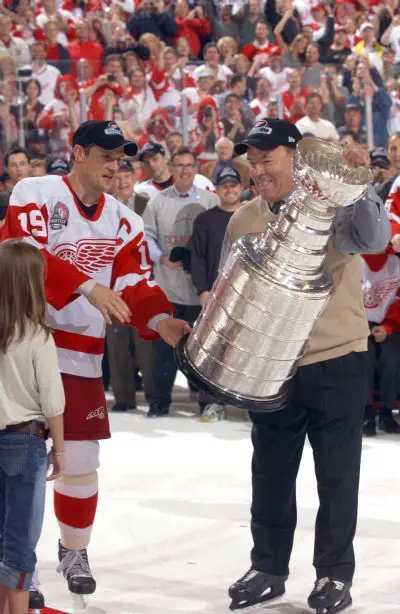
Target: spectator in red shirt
57 54
295 98
82 47
192 25
261 46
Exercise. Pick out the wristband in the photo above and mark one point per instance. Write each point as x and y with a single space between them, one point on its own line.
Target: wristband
57 453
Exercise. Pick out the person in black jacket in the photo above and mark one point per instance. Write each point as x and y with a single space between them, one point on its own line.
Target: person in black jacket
207 239
150 17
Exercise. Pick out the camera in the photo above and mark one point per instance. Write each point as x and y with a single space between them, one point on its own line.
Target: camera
208 111
111 78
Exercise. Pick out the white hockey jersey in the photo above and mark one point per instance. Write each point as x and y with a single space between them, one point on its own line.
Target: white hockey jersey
108 247
380 276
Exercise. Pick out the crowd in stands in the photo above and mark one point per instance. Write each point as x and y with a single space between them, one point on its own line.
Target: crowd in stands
196 73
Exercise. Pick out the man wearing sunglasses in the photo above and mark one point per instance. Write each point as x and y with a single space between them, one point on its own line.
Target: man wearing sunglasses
327 403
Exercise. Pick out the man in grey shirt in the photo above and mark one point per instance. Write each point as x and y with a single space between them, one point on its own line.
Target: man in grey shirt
168 224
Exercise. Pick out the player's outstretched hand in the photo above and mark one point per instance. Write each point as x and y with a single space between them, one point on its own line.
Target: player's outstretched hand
110 304
172 330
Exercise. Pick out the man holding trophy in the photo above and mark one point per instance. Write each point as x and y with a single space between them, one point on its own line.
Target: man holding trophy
300 369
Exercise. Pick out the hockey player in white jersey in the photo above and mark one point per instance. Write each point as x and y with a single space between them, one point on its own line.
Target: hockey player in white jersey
98 269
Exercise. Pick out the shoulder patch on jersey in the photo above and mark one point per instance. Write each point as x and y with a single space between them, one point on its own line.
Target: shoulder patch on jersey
59 216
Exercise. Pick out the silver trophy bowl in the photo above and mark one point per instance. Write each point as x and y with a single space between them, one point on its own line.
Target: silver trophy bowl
246 344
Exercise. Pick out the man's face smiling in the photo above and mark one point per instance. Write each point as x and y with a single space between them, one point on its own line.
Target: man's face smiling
272 172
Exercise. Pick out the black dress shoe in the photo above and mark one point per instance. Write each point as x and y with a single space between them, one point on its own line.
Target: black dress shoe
123 407
369 428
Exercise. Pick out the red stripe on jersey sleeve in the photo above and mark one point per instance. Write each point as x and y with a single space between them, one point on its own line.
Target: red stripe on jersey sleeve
145 298
78 343
62 279
146 302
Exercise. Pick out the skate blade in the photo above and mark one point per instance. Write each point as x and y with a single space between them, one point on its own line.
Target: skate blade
254 605
346 603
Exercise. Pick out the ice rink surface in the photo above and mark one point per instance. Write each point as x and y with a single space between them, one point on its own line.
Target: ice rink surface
172 528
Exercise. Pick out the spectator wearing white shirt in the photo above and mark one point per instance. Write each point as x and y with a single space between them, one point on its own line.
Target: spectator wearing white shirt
276 74
259 106
312 123
212 57
46 74
11 46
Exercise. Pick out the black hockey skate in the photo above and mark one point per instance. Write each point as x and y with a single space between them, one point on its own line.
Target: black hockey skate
330 595
36 597
255 587
74 566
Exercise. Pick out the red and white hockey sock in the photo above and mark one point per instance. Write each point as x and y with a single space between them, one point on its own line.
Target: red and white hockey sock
75 503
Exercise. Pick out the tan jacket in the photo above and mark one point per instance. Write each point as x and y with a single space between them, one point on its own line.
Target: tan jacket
241 167
342 328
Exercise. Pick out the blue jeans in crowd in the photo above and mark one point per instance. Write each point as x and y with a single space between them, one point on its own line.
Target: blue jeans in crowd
23 470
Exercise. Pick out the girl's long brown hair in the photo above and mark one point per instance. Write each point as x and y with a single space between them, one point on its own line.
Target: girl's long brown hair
22 296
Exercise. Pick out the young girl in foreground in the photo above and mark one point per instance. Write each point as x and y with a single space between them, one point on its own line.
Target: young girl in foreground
31 394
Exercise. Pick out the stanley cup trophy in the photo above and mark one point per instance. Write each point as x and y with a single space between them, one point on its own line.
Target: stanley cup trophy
251 334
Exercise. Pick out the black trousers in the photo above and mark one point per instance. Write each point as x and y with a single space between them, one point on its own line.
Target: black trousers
165 368
387 354
327 405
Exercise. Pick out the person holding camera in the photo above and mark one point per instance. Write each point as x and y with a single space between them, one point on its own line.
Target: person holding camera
209 130
192 25
151 17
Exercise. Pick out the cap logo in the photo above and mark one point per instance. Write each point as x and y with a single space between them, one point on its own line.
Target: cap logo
227 171
113 129
291 139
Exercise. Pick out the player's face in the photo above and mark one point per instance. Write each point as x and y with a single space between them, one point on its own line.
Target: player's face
229 193
272 172
100 168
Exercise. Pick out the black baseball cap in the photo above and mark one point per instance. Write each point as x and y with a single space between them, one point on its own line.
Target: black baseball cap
125 165
379 158
58 166
104 134
151 149
267 134
227 174
354 106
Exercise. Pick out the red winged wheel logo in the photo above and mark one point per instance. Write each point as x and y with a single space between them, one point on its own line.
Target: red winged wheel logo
88 255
